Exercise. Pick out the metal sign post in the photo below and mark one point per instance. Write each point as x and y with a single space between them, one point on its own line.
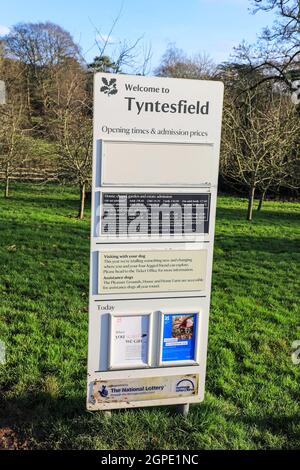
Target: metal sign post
2 92
154 190
293 76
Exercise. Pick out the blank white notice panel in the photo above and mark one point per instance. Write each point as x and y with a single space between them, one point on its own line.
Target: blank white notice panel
153 163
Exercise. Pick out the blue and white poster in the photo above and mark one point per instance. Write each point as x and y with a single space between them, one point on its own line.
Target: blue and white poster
179 337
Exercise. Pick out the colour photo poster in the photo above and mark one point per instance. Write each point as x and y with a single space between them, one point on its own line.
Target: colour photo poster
179 337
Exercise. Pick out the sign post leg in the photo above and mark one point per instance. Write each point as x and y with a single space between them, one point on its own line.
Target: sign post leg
184 409
2 92
107 414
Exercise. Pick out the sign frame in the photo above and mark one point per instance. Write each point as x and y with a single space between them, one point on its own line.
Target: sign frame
122 399
187 362
136 365
117 119
171 194
105 238
166 145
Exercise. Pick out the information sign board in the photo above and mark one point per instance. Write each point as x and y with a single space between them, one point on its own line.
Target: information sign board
154 191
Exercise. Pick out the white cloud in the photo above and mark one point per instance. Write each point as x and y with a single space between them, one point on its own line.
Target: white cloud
4 30
105 38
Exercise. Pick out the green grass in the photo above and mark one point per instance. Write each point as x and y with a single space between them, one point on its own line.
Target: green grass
253 388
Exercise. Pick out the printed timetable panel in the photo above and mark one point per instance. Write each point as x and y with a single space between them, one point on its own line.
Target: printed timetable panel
155 213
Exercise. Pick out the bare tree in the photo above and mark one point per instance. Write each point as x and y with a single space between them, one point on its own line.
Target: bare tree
258 141
277 53
283 163
145 67
272 65
42 48
71 127
286 26
175 63
74 149
15 143
133 56
58 99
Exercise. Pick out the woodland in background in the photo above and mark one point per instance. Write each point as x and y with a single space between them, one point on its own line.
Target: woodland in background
46 125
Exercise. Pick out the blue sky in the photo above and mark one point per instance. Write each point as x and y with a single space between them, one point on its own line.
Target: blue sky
211 26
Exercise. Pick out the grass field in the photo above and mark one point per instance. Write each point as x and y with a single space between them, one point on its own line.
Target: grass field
253 388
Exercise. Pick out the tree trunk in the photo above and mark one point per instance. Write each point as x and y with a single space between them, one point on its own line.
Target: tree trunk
82 201
261 200
250 202
6 190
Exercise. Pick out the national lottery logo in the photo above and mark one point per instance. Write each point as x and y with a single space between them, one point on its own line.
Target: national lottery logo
109 86
103 392
185 385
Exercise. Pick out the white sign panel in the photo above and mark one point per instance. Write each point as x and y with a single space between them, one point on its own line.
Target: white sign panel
154 190
157 109
130 341
145 159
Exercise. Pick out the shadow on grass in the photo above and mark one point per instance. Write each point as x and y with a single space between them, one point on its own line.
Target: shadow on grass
45 422
34 419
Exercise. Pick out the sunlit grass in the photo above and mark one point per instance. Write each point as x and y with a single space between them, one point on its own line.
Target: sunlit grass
252 398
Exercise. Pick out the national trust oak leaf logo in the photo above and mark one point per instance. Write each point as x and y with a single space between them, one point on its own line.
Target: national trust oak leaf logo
109 87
